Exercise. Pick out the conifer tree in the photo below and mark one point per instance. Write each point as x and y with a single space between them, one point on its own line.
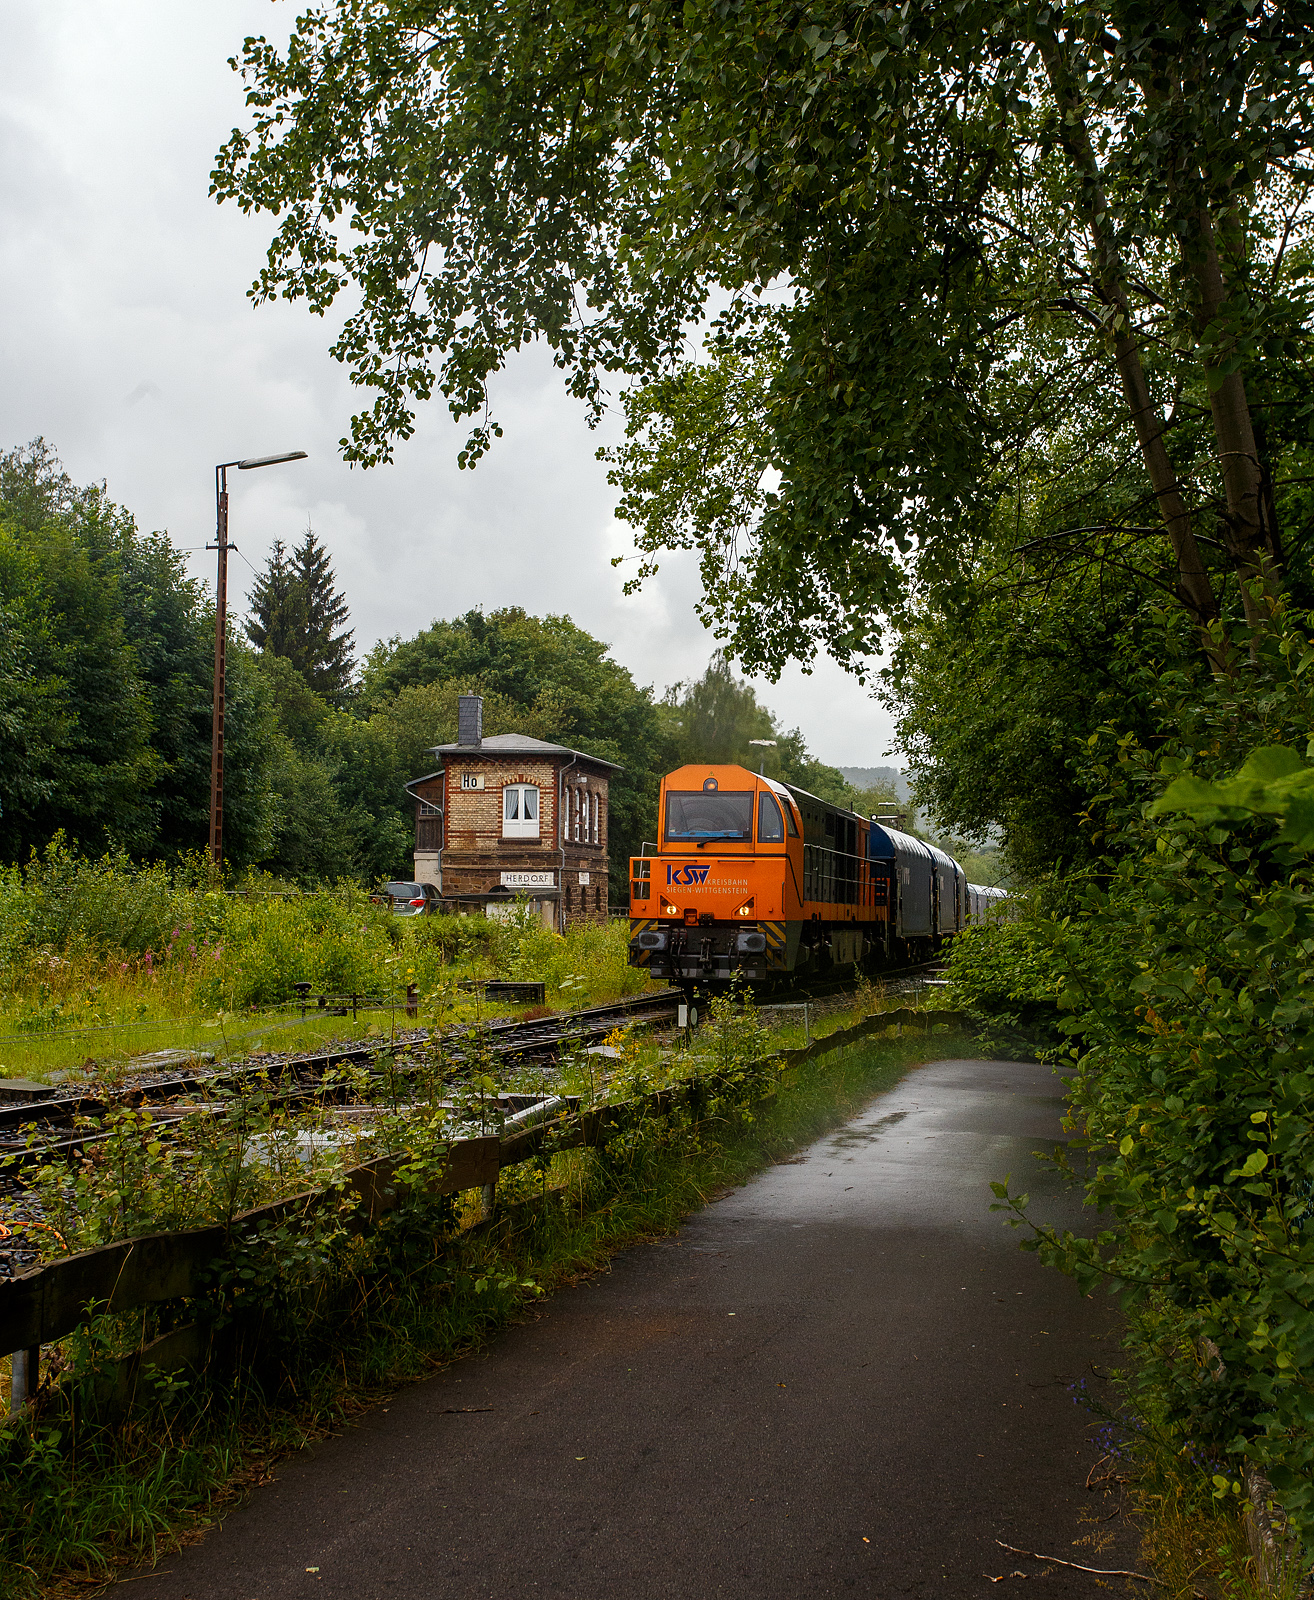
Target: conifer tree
277 617
296 613
328 662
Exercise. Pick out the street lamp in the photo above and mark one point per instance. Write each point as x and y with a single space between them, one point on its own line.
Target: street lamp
222 545
766 744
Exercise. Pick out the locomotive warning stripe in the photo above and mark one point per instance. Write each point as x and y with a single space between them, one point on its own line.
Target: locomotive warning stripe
775 935
641 958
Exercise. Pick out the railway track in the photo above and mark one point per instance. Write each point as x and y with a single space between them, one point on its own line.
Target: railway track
301 1077
819 988
66 1126
59 1122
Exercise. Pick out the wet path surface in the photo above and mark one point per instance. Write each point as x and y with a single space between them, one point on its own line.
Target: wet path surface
842 1378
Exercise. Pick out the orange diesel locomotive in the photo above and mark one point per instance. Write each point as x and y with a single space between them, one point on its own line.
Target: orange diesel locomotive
754 878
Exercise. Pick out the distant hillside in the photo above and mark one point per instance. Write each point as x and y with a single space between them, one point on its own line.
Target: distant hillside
877 777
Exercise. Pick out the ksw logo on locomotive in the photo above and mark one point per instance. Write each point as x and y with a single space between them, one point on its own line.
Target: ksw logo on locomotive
686 875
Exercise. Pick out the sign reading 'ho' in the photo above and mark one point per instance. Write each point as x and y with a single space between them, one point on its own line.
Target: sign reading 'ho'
529 880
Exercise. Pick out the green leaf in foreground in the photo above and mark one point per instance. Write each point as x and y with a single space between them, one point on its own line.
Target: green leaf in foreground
1273 782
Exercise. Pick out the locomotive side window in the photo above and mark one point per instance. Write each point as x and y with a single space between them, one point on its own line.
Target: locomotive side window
709 814
789 821
770 824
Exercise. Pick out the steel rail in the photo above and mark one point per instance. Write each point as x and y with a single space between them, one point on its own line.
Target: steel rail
505 1038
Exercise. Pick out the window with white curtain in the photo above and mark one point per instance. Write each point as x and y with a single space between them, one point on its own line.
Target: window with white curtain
597 824
520 811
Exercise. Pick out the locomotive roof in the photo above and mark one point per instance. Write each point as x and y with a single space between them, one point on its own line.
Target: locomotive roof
806 794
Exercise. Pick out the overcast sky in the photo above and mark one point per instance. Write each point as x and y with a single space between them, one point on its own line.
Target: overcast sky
129 343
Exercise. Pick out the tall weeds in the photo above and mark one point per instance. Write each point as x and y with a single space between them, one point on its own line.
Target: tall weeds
108 956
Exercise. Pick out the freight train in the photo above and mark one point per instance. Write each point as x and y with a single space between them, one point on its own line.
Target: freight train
754 879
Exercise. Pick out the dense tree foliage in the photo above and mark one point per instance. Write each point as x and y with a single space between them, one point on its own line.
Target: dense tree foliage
996 694
274 620
105 706
1014 303
942 237
106 660
716 718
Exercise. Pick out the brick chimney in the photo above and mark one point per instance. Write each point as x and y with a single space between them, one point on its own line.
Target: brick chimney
470 720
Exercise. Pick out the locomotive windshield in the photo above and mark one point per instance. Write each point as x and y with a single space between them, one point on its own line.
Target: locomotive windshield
709 814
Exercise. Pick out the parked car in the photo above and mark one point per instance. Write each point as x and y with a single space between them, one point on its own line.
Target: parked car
408 899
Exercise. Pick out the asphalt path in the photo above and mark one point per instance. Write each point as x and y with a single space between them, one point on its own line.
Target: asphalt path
842 1377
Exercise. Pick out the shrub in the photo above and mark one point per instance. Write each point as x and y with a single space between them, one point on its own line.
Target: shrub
1184 979
103 945
1003 973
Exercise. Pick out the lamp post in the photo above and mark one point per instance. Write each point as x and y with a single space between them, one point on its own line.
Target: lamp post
766 744
222 545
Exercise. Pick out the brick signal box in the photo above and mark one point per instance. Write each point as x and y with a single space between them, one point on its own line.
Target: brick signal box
513 816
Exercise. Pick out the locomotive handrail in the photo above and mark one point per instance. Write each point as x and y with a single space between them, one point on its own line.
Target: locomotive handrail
832 878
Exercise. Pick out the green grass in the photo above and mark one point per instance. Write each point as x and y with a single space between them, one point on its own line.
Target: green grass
221 980
107 1048
1195 1544
125 1496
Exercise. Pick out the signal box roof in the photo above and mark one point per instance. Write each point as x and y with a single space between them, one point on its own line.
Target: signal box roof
519 744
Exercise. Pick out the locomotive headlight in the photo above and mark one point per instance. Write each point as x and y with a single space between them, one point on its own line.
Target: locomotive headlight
668 910
745 910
